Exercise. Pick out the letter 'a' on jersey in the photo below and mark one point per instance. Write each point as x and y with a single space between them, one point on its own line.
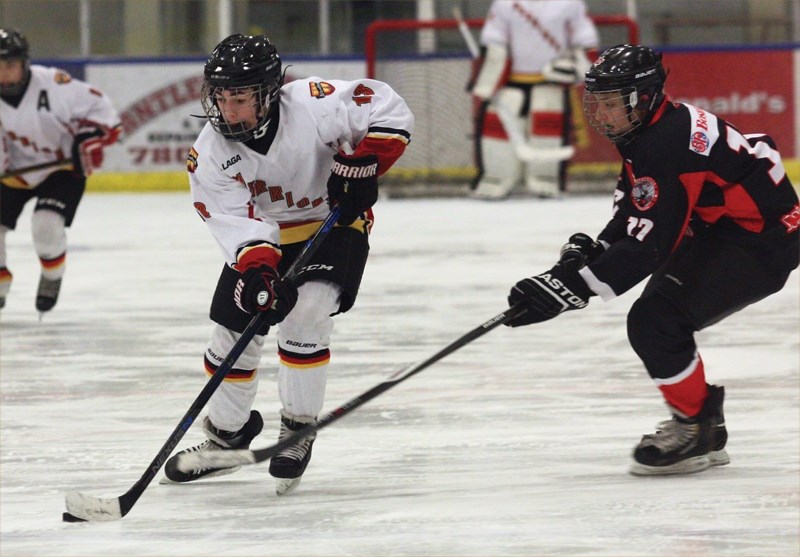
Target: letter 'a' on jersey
246 64
634 72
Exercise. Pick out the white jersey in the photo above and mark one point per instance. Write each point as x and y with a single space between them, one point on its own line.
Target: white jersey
4 162
246 197
54 108
536 31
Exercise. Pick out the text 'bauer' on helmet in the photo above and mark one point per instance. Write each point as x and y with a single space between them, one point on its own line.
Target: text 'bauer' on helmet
632 73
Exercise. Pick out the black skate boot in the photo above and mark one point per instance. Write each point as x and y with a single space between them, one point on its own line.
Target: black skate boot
287 466
682 445
47 295
218 440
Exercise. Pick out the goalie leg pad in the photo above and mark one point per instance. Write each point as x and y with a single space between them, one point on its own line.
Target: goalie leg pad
547 131
501 169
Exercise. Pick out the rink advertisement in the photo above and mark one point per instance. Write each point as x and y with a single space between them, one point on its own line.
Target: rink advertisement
756 90
159 105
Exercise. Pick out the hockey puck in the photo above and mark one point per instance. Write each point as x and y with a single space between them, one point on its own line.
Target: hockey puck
66 517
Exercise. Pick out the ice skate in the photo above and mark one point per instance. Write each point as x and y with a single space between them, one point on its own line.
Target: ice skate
218 440
685 445
47 294
287 467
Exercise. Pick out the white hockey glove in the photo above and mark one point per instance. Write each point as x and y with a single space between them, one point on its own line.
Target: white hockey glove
567 70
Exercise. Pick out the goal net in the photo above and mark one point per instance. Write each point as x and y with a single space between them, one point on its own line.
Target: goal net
429 65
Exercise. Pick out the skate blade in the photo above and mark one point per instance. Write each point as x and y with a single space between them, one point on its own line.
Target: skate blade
286 485
719 458
688 466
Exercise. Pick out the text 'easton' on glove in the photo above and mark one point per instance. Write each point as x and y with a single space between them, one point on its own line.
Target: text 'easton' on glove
547 295
353 186
261 289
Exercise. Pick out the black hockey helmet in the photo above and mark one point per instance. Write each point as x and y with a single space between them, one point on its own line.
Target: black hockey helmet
14 46
248 62
636 73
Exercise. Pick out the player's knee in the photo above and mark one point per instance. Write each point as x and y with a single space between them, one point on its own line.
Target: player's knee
222 342
659 334
47 229
310 320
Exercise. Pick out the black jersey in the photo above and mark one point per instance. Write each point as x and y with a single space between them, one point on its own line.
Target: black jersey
691 167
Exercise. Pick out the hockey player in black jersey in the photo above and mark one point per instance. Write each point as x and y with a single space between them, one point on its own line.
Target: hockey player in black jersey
706 212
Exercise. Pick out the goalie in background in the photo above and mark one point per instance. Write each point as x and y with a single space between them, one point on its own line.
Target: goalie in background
532 53
707 213
46 116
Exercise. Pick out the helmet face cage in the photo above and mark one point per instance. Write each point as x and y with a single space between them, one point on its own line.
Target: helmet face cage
242 65
14 46
629 76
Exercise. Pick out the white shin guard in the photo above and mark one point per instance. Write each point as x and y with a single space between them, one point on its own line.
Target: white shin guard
49 239
306 331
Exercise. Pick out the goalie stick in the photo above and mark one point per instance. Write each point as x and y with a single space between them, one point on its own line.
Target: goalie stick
208 459
86 508
524 151
12 172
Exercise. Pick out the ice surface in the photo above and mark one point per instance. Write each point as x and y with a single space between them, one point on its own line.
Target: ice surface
517 444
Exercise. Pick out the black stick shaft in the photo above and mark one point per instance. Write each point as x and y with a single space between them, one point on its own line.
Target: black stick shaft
129 499
266 453
41 166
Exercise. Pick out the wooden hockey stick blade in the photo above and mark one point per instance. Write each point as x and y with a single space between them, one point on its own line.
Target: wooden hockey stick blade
12 172
96 509
226 459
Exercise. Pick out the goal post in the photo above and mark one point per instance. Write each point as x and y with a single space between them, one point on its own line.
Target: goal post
429 65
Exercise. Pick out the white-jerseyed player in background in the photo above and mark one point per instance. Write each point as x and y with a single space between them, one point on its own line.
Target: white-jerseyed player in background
533 52
47 116
263 172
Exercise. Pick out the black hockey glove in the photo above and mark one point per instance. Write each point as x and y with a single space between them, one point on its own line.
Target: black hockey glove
558 290
581 246
87 151
261 289
353 186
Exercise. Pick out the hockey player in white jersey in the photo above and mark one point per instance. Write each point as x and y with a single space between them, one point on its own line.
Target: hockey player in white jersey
263 172
47 116
533 52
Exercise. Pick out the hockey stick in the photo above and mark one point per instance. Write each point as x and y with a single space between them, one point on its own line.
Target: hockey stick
82 508
524 151
209 459
12 172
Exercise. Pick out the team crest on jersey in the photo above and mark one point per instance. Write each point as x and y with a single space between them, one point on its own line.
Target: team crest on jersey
191 161
62 77
699 142
320 89
362 94
644 193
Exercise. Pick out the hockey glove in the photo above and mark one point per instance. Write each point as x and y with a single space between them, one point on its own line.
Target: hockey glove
261 289
581 246
353 186
87 151
545 296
